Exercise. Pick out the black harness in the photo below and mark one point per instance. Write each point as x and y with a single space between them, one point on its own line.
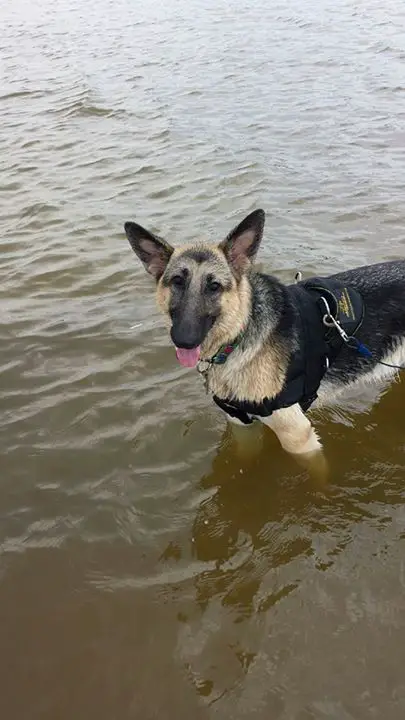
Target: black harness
317 300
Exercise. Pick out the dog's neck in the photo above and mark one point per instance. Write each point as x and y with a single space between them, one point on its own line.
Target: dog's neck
257 367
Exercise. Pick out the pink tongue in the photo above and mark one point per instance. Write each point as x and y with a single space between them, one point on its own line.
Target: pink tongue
188 358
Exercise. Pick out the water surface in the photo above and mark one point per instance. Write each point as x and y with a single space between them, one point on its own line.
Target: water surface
146 570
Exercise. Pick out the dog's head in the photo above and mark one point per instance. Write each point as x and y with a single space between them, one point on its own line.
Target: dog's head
202 288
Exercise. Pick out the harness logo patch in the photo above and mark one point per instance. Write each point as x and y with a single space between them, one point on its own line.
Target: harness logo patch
345 305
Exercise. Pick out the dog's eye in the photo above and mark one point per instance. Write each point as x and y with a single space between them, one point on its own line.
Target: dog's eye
213 286
178 281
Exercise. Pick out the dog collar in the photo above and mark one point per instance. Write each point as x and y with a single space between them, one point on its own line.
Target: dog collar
224 351
219 358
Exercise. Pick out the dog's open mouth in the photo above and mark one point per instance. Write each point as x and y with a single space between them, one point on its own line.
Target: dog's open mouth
188 358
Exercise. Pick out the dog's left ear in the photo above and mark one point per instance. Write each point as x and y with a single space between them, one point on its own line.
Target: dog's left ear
242 243
153 252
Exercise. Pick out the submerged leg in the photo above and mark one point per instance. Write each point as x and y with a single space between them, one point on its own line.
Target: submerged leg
298 437
294 430
247 439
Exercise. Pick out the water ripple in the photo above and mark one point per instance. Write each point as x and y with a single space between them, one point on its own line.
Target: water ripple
183 117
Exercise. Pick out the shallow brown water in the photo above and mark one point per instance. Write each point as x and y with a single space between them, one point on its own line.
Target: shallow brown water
147 570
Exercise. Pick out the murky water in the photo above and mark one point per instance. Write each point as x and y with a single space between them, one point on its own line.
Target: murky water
146 570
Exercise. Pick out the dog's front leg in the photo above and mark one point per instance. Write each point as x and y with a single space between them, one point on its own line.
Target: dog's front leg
294 430
298 437
247 439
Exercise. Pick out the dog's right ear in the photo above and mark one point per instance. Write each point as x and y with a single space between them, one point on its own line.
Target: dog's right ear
153 252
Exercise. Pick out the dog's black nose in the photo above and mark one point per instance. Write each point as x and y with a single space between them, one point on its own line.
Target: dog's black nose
181 340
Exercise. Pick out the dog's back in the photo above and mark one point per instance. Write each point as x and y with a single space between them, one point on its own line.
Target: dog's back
382 331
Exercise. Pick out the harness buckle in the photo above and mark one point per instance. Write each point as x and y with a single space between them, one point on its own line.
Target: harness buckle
330 321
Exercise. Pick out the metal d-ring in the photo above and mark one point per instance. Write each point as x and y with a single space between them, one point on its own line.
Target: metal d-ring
203 366
330 321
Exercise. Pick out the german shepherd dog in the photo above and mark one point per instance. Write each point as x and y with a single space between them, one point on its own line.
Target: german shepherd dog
244 330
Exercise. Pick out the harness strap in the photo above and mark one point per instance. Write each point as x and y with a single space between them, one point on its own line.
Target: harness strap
234 410
311 360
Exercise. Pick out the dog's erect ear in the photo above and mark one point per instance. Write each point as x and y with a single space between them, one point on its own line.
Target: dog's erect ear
154 252
242 243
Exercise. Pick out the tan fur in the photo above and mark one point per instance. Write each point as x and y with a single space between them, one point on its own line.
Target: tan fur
163 298
254 375
254 378
260 371
294 430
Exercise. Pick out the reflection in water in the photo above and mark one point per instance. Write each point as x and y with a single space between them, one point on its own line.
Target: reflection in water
264 528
